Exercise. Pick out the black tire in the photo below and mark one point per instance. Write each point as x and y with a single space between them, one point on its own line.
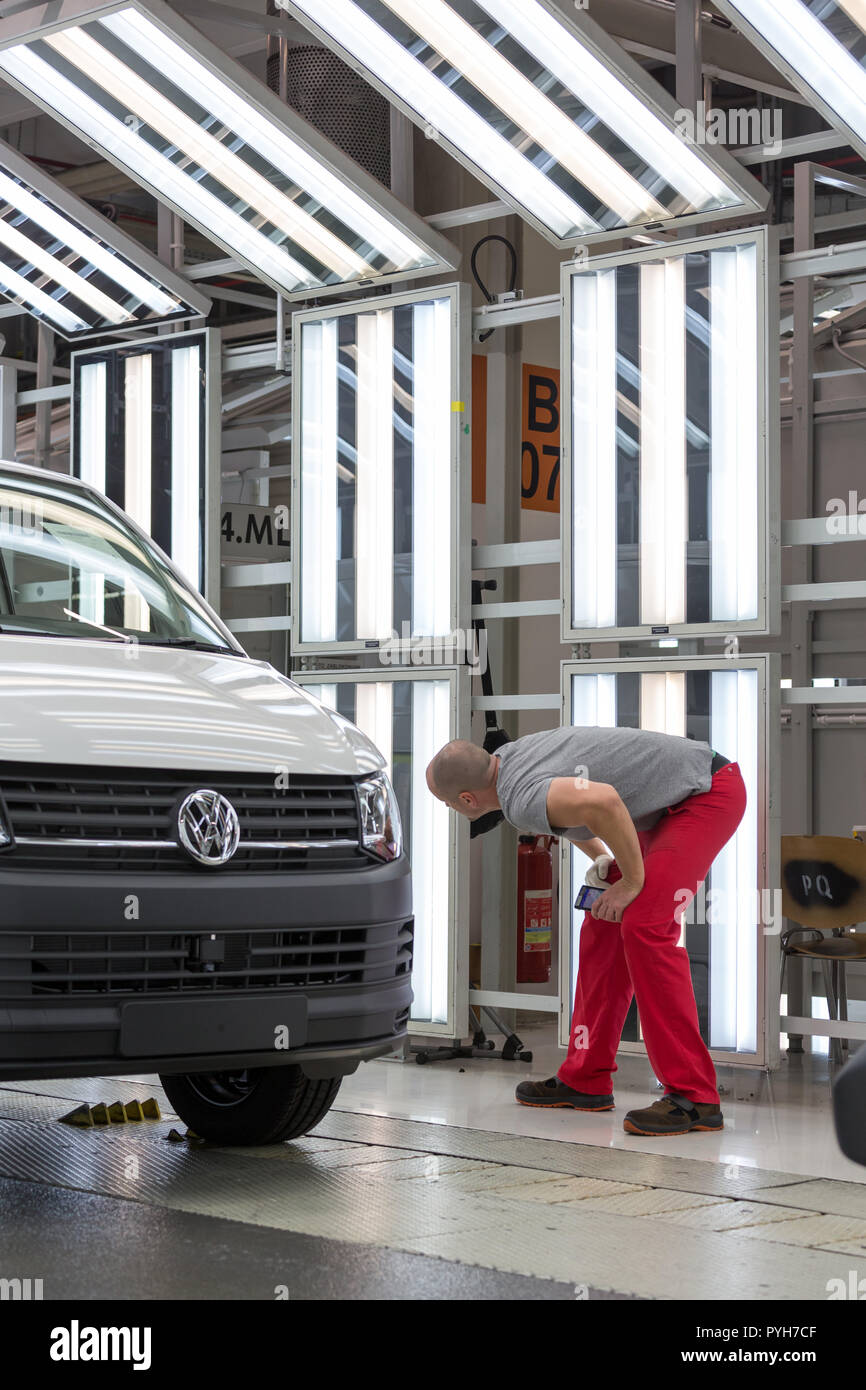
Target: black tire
264 1105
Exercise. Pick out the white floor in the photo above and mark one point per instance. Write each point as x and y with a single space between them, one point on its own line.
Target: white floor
780 1121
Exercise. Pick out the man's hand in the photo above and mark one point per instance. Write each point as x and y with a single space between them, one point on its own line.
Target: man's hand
614 900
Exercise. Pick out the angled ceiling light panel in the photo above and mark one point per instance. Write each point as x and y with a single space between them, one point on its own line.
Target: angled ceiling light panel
820 47
153 95
541 106
72 268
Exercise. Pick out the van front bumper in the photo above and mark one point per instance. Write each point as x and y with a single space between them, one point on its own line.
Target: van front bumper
168 975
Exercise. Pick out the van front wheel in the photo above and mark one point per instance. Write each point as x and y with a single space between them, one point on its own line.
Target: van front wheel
262 1105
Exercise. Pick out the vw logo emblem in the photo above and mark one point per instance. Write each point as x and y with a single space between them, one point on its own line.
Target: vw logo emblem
208 826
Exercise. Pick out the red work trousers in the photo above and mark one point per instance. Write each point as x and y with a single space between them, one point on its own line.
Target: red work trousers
640 956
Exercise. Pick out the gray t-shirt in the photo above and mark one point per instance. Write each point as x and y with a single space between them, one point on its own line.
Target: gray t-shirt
650 771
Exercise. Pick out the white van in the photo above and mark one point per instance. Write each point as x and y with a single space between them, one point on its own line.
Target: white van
201 867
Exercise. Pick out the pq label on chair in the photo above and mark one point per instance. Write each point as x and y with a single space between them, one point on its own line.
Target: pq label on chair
823 880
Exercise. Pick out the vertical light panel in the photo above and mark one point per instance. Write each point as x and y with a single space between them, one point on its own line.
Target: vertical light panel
735 928
593 503
431 521
186 461
319 482
431 718
667 445
374 482
374 715
382 390
718 701
734 433
663 443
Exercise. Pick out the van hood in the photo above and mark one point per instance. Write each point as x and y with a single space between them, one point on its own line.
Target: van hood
73 701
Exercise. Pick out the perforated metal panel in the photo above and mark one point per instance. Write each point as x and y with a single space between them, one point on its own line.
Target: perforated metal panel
326 92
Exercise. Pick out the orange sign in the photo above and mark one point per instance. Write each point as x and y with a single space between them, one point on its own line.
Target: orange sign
540 445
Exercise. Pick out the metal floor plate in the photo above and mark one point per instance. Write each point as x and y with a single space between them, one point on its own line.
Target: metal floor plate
616 1220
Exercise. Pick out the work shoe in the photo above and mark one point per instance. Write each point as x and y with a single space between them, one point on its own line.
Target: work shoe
557 1096
674 1115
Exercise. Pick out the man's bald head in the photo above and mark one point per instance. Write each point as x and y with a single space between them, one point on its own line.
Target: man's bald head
463 775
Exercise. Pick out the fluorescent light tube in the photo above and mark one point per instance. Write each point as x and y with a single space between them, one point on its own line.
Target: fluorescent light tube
663 520
732 899
185 455
431 447
431 870
319 481
594 449
734 433
374 715
93 423
92 434
138 393
663 702
374 487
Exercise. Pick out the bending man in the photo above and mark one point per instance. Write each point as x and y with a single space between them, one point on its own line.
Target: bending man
662 807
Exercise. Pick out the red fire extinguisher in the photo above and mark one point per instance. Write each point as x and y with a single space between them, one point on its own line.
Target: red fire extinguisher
534 908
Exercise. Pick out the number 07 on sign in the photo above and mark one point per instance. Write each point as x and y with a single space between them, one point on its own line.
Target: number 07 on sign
540 446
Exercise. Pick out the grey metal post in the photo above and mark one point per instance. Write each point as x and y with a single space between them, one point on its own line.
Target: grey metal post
690 87
44 377
802 505
8 412
499 891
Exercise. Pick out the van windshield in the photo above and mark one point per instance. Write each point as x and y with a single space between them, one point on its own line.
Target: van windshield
69 567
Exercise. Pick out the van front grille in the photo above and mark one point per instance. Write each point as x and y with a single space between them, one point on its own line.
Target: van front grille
126 819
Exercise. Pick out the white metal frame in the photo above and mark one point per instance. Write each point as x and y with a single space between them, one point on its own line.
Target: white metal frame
576 20
211 444
768 524
457 1022
459 477
42 19
767 946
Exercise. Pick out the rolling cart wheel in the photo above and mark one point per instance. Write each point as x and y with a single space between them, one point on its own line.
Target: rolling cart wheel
421 1058
525 1057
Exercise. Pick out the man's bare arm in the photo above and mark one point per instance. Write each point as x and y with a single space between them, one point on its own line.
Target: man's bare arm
593 848
598 806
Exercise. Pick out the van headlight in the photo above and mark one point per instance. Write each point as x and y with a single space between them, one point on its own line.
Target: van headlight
381 829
